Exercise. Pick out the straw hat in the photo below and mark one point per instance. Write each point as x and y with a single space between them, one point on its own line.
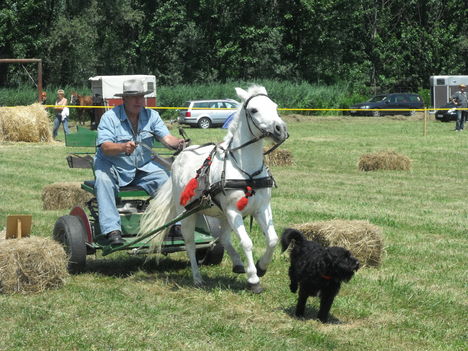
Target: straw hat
133 87
462 86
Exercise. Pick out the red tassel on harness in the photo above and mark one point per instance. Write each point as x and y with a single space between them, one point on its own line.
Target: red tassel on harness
245 200
192 185
189 191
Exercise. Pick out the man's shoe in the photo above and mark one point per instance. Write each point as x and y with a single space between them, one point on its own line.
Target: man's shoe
115 238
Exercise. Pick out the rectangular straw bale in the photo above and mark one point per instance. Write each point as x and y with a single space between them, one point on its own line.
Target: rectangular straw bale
25 123
362 238
64 195
31 265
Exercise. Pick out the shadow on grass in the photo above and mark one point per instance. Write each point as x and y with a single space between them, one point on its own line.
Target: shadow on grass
167 269
125 266
310 314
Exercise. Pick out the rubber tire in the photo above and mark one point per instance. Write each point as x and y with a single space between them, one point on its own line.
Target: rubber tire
71 233
204 123
211 256
375 113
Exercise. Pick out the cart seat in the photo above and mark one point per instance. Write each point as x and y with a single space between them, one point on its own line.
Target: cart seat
126 191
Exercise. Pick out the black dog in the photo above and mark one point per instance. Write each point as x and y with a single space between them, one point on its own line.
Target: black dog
317 271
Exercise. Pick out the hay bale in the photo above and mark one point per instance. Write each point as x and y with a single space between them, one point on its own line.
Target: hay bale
387 160
362 238
60 196
169 125
30 265
25 123
279 157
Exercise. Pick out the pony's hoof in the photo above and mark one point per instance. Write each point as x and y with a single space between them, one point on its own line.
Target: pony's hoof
238 269
255 288
199 284
260 272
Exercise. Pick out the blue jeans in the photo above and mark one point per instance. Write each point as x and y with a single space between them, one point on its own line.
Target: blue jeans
57 121
106 189
460 125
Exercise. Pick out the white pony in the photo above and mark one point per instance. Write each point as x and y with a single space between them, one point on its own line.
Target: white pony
236 180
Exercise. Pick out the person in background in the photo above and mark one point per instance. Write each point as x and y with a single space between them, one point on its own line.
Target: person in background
122 160
461 101
60 104
43 98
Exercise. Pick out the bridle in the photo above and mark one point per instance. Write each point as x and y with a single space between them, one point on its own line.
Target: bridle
251 120
230 151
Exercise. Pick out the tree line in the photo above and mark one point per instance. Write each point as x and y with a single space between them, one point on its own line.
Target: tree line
382 44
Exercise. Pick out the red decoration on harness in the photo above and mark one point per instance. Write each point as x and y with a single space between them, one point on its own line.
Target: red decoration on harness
189 191
245 200
327 277
192 185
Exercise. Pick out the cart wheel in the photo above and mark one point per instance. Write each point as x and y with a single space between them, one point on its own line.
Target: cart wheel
210 256
70 232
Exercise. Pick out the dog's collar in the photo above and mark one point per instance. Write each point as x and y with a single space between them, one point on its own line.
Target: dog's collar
327 277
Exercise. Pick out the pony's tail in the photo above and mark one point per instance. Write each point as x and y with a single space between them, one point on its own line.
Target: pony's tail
159 211
289 235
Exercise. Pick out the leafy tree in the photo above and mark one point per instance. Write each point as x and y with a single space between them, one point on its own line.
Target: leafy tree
378 44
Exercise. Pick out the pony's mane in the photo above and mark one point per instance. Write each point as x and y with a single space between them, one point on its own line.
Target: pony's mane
252 90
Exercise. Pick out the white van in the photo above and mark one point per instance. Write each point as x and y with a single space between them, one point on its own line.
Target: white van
106 87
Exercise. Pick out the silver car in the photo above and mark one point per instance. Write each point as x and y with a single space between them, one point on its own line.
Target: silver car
207 113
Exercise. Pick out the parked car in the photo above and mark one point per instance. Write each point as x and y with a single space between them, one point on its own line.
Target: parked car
448 114
388 102
207 113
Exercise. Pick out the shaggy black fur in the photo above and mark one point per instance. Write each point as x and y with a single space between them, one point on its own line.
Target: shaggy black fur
317 271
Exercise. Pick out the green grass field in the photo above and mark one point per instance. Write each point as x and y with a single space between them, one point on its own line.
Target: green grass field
417 299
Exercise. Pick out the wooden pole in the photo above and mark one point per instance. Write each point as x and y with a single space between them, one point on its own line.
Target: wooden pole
39 71
19 233
425 122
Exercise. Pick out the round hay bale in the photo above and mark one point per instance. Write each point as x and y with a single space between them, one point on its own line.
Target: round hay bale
386 160
25 123
65 195
30 265
279 157
362 238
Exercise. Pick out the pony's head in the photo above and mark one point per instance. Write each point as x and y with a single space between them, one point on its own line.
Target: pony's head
260 113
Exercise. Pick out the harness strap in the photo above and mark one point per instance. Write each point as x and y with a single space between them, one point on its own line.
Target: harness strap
234 184
254 174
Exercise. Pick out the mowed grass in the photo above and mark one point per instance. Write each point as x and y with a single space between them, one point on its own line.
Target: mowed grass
416 300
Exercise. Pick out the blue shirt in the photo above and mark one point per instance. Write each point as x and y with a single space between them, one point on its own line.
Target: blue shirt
116 128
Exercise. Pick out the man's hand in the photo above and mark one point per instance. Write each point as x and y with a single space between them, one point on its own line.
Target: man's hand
114 149
129 147
173 142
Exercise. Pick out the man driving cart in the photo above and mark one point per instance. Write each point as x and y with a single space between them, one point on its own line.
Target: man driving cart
122 160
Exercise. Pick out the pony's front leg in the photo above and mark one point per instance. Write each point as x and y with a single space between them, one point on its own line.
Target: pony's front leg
237 224
188 231
265 220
